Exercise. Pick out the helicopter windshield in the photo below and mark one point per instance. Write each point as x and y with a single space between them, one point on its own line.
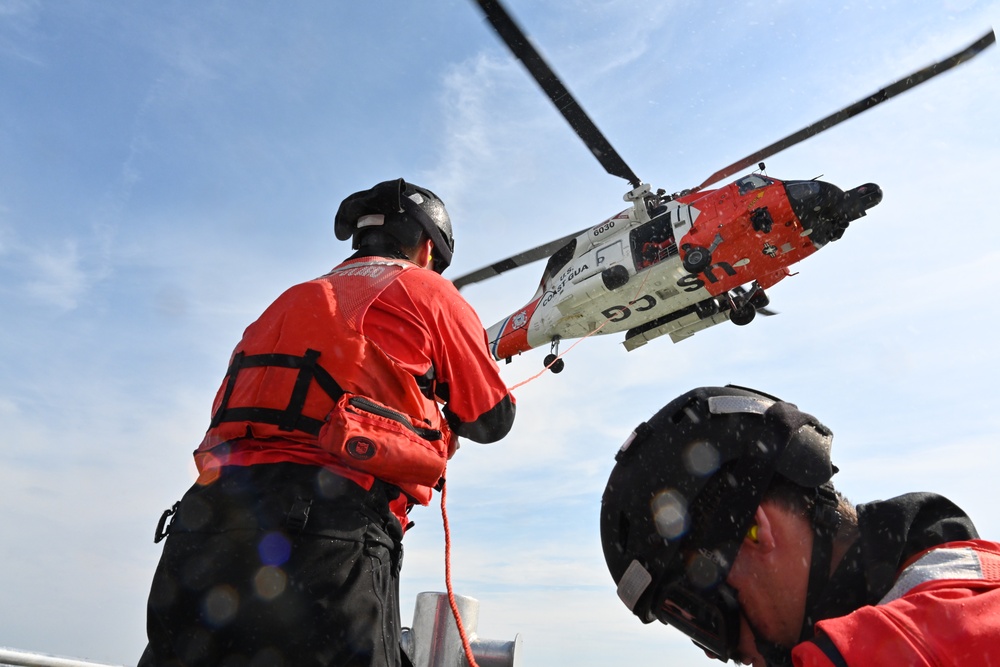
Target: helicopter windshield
802 190
752 182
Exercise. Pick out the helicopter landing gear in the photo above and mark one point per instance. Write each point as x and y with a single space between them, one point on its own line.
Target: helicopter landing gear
744 305
696 259
743 315
552 360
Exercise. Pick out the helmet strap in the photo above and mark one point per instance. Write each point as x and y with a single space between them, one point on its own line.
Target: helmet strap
774 654
826 521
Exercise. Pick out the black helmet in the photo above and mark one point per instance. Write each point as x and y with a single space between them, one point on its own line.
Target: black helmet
401 210
683 494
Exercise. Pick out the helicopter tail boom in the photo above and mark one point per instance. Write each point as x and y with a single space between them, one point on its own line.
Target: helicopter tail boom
509 336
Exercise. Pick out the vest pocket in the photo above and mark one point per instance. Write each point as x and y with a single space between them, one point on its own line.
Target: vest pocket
371 437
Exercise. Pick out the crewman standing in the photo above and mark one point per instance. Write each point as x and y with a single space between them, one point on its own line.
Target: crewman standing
325 431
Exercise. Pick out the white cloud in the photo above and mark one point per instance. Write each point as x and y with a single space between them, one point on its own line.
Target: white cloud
19 8
57 278
17 30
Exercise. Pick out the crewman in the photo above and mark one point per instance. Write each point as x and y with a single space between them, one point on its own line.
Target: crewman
326 430
720 519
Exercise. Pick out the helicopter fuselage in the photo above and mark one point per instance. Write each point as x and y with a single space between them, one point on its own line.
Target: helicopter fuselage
670 265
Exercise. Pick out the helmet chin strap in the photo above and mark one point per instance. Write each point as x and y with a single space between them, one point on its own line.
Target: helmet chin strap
774 654
826 520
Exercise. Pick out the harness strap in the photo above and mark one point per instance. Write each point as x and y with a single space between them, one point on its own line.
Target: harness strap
293 411
291 418
231 373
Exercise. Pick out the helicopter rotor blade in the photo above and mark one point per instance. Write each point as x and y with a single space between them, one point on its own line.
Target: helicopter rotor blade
567 105
878 97
515 261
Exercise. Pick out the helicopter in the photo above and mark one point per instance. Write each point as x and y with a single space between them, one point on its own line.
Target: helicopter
675 264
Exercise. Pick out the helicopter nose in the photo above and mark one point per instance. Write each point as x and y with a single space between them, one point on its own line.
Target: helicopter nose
860 199
817 206
826 210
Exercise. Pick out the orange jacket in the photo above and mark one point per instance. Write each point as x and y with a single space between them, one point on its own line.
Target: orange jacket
380 328
943 610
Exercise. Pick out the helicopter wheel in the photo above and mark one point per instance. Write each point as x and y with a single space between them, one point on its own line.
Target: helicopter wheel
554 364
696 259
743 315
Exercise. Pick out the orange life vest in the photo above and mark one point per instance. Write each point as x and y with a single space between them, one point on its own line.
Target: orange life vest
304 358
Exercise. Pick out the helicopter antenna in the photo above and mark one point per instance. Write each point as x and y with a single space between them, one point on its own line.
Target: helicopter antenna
567 105
875 98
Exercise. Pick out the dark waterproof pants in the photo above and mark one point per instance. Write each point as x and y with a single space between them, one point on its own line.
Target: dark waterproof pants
278 565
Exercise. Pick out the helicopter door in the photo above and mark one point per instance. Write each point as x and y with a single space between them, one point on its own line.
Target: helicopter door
653 242
610 255
603 257
686 216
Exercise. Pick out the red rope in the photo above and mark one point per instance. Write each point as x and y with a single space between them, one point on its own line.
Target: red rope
444 512
447 580
561 355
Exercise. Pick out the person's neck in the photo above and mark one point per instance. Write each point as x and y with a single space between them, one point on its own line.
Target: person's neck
846 536
375 250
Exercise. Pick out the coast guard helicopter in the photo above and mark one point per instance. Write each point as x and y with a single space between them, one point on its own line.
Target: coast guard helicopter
676 264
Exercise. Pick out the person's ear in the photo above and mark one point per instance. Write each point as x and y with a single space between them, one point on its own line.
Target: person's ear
425 254
761 534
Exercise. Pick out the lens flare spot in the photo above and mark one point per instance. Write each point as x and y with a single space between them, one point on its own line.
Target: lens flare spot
701 458
274 549
670 514
220 604
270 582
706 569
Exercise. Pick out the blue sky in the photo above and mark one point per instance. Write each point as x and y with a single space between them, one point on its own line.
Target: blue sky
168 168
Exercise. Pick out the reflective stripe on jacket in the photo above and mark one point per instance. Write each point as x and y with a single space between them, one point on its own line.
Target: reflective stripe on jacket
944 609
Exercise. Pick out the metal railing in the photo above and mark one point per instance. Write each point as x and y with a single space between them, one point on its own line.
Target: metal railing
432 641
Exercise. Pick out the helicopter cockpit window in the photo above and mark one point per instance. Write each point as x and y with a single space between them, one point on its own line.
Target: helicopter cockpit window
752 182
653 242
802 190
558 260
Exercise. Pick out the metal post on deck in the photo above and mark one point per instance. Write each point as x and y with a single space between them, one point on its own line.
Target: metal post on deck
433 641
26 659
